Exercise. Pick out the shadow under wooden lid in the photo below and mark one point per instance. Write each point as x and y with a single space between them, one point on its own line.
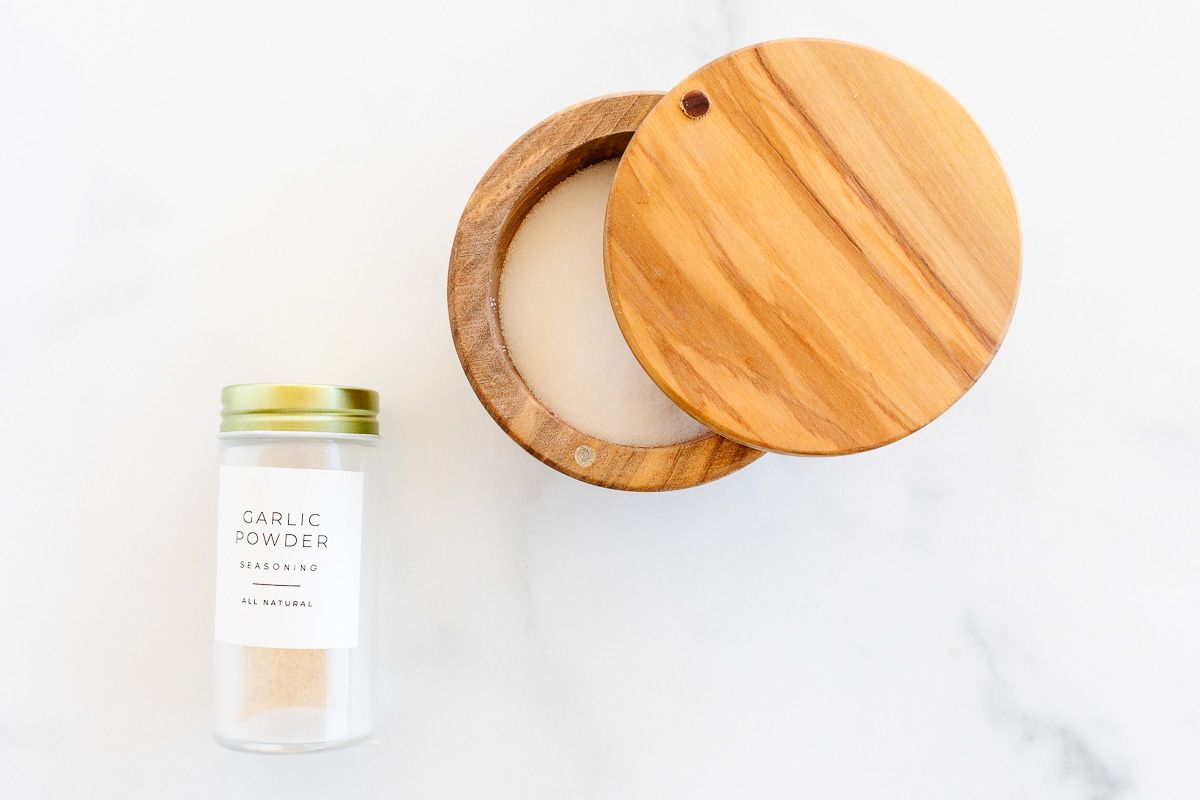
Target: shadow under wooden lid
553 150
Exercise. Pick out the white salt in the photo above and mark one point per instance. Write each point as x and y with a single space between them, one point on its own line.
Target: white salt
560 328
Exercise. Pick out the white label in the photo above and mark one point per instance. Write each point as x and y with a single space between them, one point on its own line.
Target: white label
289 549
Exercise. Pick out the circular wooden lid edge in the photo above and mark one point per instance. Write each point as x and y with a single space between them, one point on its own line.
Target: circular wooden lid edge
822 261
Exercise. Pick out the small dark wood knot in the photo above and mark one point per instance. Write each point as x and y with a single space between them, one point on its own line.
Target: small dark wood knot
695 104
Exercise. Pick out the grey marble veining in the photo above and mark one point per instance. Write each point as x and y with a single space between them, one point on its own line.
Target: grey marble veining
1078 762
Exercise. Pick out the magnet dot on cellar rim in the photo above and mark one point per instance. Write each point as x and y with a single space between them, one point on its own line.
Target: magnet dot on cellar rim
585 456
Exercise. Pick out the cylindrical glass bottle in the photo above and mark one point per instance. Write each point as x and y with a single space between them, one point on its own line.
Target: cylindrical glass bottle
293 650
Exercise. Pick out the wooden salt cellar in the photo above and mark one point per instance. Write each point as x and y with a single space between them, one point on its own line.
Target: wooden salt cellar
810 247
557 148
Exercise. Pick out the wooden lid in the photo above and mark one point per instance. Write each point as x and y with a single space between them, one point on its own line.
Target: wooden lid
812 248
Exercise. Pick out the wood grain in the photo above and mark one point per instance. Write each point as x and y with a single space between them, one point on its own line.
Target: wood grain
553 150
825 260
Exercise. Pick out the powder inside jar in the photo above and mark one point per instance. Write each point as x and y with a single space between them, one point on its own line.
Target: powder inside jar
560 329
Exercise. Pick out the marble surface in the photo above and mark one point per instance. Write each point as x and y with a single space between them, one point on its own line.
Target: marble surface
1001 606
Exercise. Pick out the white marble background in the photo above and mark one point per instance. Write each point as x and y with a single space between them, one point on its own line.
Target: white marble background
1002 606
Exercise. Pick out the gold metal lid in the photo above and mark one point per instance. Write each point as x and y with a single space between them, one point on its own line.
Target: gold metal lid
313 408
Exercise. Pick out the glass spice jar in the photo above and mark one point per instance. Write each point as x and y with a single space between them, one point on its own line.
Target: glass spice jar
293 650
